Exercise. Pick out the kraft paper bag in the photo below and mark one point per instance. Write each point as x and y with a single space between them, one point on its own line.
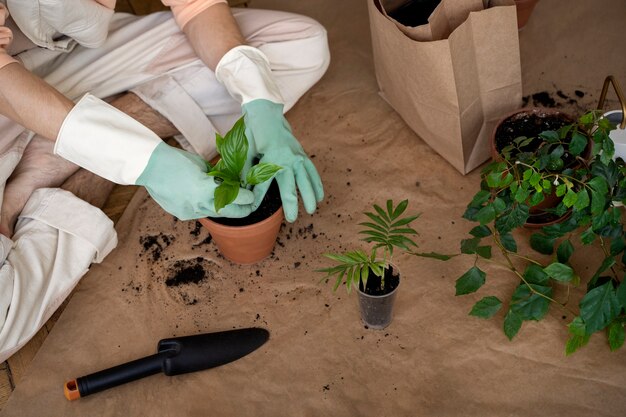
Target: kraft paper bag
452 79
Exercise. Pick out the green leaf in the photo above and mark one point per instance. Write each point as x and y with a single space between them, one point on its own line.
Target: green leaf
617 246
382 213
599 307
486 308
621 294
468 246
570 198
559 272
578 338
516 218
434 255
564 251
535 274
480 198
225 194
522 195
512 324
549 136
588 236
577 327
574 343
480 231
470 281
400 209
616 335
542 243
606 264
486 214
560 190
582 200
261 172
377 219
484 251
234 148
404 221
529 305
508 242
578 143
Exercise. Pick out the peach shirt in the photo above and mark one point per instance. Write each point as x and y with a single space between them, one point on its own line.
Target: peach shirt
183 10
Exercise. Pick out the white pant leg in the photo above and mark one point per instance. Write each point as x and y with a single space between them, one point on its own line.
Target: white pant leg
57 237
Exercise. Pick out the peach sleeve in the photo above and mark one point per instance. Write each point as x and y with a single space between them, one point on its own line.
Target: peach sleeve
185 10
6 36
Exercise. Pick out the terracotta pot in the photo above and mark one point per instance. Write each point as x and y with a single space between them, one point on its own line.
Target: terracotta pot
524 10
536 111
551 200
246 244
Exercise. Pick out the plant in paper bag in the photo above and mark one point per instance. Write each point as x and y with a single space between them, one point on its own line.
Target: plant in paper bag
589 193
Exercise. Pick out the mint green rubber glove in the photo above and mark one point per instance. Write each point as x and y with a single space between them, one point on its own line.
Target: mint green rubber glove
270 138
109 143
177 180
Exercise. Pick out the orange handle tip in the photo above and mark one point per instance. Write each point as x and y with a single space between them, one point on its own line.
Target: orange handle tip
71 390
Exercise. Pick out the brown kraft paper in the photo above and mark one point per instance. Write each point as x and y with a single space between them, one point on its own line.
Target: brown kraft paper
452 91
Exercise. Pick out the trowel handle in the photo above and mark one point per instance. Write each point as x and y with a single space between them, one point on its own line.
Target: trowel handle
115 376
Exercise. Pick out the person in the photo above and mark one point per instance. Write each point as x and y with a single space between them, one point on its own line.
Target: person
82 86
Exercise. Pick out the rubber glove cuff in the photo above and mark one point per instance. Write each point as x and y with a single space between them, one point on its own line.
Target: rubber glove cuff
105 141
245 72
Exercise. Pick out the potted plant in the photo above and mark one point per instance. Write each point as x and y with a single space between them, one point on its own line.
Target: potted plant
544 274
250 239
373 274
527 137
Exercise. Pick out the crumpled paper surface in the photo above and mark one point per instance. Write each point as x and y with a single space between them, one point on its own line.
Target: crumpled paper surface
433 360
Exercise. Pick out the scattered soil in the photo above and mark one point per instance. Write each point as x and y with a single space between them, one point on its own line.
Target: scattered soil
373 283
153 245
270 204
189 271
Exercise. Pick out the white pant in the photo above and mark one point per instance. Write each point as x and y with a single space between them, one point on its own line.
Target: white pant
150 56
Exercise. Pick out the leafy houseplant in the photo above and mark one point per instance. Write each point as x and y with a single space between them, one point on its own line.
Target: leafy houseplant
373 274
250 239
589 192
233 149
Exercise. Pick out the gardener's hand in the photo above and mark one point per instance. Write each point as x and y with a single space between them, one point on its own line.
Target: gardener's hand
246 74
270 136
109 143
177 180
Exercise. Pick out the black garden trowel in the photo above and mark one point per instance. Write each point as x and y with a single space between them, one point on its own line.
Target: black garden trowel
174 356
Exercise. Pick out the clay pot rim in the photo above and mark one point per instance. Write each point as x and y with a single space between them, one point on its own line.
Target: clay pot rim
495 154
220 226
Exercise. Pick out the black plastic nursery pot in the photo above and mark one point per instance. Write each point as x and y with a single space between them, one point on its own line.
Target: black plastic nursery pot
376 306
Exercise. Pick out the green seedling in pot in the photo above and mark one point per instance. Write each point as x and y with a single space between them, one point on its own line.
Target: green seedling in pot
233 149
387 230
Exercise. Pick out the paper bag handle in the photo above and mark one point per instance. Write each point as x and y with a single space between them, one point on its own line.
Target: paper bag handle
611 80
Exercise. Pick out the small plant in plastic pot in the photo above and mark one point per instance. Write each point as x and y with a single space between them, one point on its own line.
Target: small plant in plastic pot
252 238
373 274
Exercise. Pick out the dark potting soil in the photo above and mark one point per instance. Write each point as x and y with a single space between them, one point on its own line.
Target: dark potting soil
270 204
155 244
529 125
414 12
373 283
188 271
